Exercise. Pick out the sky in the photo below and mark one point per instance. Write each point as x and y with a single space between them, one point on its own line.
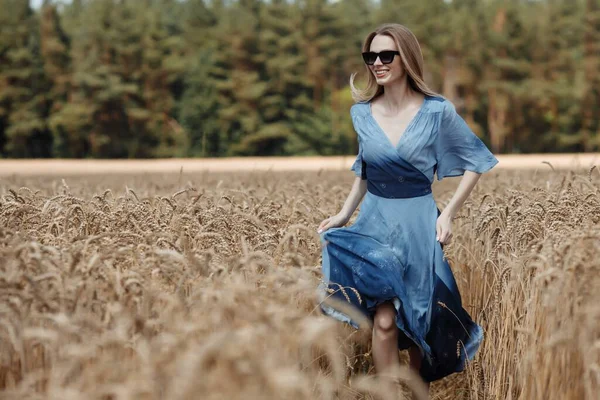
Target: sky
38 3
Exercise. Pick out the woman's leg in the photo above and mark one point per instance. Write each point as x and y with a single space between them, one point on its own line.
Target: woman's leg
415 361
385 343
385 340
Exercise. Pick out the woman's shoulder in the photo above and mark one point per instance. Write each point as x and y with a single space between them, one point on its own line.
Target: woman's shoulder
438 104
359 109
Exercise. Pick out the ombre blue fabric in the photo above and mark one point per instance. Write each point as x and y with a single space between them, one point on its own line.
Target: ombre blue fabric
390 253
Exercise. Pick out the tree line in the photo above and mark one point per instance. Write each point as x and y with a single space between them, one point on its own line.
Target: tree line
199 78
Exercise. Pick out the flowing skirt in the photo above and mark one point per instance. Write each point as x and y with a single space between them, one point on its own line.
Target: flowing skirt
390 254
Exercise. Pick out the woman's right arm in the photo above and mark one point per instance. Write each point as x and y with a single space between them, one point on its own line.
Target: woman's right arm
359 188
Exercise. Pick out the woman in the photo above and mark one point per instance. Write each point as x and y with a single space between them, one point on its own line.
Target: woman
390 261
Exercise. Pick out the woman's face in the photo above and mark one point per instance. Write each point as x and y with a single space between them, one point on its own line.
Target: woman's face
386 73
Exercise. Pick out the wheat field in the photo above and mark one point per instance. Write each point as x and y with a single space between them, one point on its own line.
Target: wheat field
203 286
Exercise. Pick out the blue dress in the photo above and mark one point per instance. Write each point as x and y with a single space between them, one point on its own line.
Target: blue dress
390 253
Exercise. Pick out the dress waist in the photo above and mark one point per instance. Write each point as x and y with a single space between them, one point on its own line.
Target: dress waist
392 190
407 183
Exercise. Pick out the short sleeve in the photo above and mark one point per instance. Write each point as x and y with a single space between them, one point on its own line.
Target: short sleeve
358 166
458 149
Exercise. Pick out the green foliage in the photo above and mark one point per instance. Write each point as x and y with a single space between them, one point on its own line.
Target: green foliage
166 78
23 84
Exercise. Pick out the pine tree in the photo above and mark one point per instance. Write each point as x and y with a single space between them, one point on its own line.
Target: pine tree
355 20
590 105
460 58
505 72
94 121
23 104
55 47
564 32
198 108
71 121
237 75
160 77
126 67
320 30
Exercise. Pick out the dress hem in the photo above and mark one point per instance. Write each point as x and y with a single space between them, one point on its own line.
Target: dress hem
467 353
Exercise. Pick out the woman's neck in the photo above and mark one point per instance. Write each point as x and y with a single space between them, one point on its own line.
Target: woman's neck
398 96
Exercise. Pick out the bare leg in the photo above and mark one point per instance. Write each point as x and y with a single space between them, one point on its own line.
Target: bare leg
415 361
385 340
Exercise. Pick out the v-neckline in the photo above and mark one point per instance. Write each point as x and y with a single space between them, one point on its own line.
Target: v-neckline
410 123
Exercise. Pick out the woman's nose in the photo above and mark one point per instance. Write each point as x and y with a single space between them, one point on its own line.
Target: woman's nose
377 61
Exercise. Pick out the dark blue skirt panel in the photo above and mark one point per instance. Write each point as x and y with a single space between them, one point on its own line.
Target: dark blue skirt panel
451 336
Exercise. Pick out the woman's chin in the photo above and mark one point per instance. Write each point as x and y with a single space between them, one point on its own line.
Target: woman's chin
383 81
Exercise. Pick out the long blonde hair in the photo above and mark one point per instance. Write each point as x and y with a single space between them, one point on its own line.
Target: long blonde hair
410 55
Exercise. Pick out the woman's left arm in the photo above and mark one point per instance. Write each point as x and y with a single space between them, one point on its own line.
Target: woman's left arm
458 151
444 221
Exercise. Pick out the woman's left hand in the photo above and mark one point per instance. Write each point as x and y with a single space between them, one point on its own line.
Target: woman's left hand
443 228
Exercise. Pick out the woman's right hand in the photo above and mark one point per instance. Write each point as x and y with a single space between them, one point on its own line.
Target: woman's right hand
334 221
